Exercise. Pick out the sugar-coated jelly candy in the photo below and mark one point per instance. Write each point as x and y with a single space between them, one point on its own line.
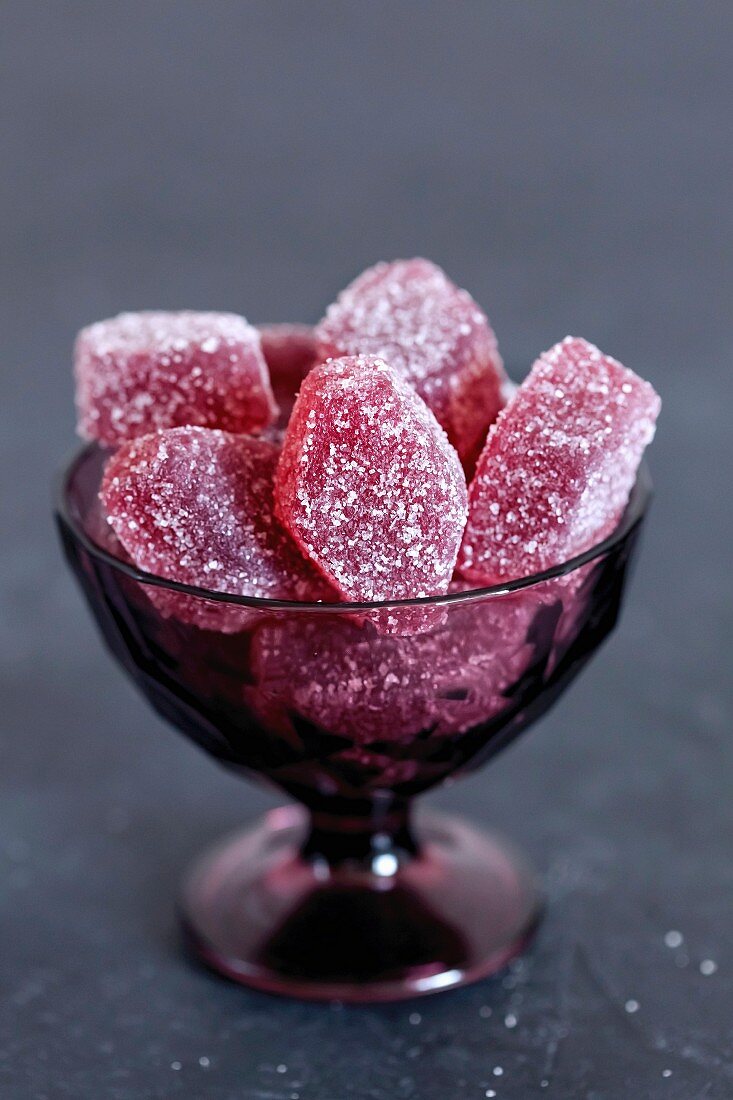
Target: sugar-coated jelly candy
348 680
194 505
290 352
559 464
411 314
369 485
140 372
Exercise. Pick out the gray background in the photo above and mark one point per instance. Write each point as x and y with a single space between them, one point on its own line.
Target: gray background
571 164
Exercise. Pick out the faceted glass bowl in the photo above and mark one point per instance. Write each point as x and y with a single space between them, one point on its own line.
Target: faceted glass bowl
352 710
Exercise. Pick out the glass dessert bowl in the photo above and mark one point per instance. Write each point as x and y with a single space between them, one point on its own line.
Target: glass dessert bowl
352 710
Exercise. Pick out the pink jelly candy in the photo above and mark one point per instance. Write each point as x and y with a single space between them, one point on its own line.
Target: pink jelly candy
140 372
558 465
290 352
369 485
411 314
352 682
194 505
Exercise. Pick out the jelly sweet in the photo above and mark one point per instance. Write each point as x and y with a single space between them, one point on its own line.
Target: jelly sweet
352 681
290 352
559 464
194 505
368 484
411 314
140 372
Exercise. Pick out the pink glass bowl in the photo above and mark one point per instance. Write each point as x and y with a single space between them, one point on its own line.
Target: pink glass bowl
352 710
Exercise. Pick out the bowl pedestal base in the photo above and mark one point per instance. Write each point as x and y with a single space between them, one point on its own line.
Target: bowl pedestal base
264 910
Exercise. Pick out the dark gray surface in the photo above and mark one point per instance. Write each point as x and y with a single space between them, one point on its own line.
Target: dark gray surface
570 163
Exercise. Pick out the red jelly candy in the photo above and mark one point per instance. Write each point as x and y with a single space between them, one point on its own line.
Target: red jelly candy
352 682
342 677
368 484
194 505
558 465
290 352
140 372
411 314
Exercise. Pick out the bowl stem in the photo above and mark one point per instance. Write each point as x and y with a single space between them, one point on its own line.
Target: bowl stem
378 837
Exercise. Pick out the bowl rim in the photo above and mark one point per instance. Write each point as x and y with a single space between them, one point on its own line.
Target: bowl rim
633 514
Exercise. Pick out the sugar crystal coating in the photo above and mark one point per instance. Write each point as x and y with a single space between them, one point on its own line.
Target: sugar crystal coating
558 465
369 485
140 372
194 505
410 313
